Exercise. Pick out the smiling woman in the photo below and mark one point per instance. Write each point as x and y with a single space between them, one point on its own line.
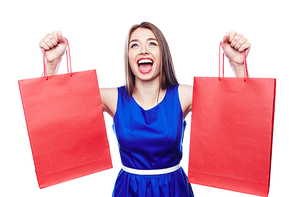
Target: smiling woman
141 123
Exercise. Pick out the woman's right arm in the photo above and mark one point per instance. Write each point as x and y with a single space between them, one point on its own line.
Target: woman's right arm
54 45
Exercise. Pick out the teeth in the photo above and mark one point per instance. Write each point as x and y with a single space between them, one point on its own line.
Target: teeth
145 61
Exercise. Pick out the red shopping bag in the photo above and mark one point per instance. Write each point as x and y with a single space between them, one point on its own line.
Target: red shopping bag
231 133
66 125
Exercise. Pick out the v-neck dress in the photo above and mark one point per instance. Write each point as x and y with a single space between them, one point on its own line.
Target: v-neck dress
149 140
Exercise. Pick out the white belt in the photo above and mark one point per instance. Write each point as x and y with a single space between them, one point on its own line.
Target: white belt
151 172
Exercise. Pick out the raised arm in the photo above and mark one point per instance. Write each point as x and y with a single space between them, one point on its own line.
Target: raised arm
55 46
233 45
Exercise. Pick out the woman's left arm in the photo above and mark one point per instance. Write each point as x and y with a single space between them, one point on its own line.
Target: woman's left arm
233 45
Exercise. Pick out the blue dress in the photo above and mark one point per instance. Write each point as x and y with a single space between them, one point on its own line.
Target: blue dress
150 139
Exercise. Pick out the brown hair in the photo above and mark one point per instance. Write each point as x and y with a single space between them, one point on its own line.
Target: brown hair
167 74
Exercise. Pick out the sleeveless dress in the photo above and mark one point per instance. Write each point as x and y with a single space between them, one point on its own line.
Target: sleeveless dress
148 140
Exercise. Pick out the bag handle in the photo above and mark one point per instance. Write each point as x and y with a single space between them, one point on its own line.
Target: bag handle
245 64
68 56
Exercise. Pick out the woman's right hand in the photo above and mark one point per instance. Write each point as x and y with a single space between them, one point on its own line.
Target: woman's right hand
54 45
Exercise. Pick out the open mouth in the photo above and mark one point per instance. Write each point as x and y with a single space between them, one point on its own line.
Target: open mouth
145 65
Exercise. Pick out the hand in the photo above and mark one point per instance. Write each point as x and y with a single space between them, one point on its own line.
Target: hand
233 45
54 45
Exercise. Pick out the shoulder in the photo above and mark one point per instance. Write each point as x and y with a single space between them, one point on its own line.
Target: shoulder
108 91
109 98
185 89
185 96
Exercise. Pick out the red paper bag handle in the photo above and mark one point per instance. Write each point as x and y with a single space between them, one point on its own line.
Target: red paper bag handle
245 65
68 56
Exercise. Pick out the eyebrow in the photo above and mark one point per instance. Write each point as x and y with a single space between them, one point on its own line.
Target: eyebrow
136 40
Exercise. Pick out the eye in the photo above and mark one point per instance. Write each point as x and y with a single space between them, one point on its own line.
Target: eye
133 45
152 44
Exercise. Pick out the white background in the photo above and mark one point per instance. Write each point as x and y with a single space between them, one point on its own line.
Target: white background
97 31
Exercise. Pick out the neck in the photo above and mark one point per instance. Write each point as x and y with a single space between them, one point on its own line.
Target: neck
148 94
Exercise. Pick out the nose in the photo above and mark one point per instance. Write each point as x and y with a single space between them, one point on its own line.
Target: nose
144 50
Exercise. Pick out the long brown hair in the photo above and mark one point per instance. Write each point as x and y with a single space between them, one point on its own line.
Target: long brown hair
167 75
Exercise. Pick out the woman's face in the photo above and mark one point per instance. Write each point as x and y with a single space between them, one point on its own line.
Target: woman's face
144 55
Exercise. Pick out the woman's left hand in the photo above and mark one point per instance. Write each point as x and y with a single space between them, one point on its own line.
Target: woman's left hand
233 45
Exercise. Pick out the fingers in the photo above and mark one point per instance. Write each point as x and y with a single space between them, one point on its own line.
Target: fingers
237 41
51 40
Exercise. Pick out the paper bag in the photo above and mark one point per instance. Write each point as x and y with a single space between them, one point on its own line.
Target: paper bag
231 133
66 126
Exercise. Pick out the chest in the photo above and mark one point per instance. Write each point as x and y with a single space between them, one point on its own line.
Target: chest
151 128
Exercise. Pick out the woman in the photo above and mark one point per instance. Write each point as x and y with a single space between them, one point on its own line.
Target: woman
149 111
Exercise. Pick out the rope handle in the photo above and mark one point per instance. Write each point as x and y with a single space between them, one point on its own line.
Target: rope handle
69 64
245 64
